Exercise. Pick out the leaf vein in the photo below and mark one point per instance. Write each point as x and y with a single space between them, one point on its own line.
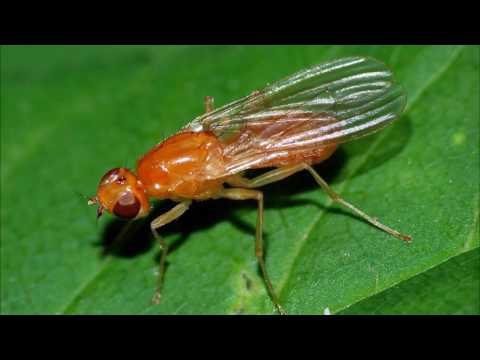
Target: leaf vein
79 291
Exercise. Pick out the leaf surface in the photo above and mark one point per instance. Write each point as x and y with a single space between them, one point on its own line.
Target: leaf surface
68 114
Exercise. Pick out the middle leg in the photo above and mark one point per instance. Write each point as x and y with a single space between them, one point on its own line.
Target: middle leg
246 194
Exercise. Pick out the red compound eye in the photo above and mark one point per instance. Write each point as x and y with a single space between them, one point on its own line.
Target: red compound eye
127 207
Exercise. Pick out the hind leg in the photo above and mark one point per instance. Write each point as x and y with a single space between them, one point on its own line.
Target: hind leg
267 178
283 172
335 197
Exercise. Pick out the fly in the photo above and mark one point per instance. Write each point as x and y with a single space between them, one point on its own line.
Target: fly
289 126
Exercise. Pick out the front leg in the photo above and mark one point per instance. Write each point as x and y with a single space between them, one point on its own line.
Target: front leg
164 219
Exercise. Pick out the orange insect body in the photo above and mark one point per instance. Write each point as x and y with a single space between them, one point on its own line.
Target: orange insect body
190 165
180 167
289 126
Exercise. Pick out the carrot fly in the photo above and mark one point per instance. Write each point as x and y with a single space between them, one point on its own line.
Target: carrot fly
289 126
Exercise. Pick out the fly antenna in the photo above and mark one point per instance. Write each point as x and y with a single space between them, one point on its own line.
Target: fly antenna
91 200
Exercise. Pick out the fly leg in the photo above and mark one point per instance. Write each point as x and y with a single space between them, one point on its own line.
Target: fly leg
335 197
164 219
245 194
283 172
266 178
208 104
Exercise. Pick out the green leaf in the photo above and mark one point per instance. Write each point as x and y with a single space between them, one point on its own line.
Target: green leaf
450 288
68 114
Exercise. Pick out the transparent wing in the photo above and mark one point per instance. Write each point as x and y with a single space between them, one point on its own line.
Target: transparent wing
330 103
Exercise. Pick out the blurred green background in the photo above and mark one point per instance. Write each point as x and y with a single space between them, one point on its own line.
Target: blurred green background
69 113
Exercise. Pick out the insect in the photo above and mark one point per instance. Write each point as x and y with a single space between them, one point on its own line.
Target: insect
288 126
